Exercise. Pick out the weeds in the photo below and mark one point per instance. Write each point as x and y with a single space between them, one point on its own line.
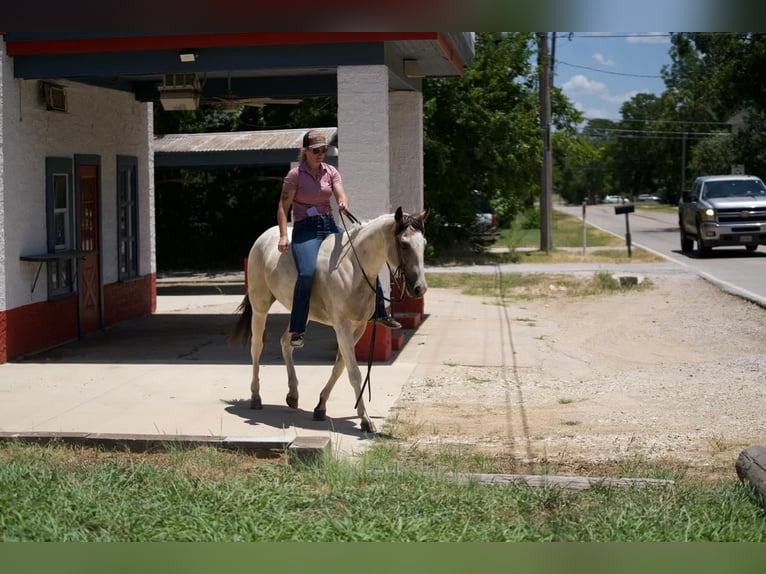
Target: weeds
518 286
392 493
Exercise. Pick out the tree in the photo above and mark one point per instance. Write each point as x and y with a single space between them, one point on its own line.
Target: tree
482 131
713 77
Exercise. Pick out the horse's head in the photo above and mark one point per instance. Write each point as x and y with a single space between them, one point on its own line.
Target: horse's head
411 244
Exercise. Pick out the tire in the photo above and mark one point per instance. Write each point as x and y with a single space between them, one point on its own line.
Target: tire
687 244
702 249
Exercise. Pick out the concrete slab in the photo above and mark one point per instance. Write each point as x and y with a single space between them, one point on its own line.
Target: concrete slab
172 374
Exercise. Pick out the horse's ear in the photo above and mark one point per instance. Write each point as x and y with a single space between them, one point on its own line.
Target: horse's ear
399 215
423 214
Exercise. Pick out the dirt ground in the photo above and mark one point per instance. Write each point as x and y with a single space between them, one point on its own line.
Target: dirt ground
673 374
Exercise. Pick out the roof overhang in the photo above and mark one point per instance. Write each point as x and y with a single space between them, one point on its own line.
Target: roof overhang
251 64
231 149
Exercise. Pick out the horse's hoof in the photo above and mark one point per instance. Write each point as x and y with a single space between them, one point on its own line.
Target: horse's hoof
320 415
292 402
368 426
255 403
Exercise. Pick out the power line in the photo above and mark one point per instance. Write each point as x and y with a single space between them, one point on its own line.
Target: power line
653 76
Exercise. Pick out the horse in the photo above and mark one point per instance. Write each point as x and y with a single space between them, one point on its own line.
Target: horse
342 296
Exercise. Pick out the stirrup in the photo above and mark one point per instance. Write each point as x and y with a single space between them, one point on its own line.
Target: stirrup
389 322
296 340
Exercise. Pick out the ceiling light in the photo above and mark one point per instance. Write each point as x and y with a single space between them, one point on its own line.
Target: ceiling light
188 56
413 70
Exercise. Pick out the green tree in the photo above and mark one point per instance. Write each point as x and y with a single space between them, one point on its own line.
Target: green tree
713 78
482 131
578 170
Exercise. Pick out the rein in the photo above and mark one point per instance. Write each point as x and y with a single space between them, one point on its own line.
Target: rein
398 272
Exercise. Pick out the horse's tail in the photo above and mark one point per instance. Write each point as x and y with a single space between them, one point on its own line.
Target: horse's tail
243 329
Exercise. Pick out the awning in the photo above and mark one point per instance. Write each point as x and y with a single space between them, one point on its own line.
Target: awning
230 149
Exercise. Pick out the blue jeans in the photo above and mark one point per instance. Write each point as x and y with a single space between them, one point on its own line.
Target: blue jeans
308 235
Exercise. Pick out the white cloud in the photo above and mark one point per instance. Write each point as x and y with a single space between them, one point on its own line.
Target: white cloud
649 38
580 84
618 98
603 60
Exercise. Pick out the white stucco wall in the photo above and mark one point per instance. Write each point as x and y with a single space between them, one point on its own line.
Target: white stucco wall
3 110
98 122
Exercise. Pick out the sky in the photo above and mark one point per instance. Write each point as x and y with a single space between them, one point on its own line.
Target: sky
599 71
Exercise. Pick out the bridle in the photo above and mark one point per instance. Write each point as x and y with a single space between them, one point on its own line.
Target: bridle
397 274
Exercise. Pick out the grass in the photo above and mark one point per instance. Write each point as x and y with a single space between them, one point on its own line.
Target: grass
518 245
61 493
527 286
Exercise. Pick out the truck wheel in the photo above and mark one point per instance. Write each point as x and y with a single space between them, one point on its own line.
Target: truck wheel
702 249
687 244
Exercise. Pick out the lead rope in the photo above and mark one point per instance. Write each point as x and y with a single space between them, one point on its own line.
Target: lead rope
367 382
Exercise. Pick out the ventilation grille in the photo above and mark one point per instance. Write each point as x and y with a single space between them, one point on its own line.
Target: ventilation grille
53 97
180 81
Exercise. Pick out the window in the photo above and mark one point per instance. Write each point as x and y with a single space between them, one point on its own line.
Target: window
59 195
127 216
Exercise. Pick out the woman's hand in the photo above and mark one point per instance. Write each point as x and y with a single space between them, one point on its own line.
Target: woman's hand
282 245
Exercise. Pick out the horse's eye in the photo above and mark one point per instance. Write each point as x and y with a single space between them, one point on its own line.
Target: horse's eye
405 246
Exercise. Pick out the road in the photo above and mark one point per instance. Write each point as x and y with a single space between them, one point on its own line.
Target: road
733 269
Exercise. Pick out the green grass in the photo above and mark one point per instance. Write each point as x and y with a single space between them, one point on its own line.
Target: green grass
526 286
60 493
518 245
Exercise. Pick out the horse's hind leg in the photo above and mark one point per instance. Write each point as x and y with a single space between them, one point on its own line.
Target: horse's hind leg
320 412
257 325
292 377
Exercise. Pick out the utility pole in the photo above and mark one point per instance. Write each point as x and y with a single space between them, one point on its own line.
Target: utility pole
546 185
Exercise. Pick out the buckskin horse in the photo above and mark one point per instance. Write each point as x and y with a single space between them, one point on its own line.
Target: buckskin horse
343 294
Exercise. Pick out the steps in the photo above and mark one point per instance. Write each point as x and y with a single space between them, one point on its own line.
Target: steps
409 312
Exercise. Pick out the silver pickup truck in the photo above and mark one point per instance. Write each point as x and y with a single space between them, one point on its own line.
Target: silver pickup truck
723 210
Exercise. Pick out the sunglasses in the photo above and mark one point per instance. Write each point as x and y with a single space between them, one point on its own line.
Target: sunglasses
318 150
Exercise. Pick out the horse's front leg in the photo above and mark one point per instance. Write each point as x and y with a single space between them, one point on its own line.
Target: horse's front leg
292 377
347 336
320 412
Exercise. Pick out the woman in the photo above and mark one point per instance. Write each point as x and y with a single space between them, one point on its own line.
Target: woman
308 188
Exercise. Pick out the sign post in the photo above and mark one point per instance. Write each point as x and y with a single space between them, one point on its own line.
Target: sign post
626 209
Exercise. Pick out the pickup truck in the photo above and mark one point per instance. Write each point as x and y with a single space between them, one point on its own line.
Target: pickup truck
723 210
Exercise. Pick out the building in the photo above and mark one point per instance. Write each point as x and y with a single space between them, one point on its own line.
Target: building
77 158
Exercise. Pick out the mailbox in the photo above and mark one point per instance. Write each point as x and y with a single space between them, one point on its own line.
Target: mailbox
627 208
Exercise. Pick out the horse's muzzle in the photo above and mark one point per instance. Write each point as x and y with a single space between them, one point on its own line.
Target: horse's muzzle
418 289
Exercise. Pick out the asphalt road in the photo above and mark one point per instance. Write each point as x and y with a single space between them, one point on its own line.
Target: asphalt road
732 268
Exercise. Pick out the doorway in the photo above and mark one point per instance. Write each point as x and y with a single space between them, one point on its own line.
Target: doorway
89 266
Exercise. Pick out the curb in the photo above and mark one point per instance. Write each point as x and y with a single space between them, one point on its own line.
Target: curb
303 448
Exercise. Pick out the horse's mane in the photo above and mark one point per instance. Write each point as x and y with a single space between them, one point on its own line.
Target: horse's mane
355 227
408 220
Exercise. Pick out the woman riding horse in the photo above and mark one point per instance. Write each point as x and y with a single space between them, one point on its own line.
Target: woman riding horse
307 188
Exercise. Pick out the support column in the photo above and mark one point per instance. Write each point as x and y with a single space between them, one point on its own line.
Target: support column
363 139
406 157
